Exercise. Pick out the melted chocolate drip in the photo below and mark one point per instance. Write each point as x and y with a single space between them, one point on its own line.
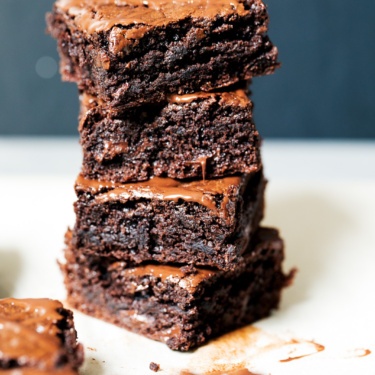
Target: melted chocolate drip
232 98
202 192
174 274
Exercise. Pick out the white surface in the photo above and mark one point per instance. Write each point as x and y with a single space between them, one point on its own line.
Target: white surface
320 195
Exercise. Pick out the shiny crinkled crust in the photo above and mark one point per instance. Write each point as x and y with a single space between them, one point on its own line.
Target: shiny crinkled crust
115 54
37 334
95 16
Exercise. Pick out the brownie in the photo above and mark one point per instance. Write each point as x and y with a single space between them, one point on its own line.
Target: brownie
38 335
203 135
33 371
134 52
197 222
181 306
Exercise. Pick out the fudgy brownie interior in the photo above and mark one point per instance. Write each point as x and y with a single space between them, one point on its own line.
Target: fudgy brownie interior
202 135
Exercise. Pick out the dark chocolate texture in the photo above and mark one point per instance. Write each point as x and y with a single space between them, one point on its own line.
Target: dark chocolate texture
37 336
203 135
179 306
198 222
134 52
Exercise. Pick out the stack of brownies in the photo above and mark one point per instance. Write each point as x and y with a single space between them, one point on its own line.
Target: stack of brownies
167 240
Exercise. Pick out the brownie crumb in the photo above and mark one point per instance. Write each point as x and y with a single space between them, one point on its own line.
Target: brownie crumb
154 367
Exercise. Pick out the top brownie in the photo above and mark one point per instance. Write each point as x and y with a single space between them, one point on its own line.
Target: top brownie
133 52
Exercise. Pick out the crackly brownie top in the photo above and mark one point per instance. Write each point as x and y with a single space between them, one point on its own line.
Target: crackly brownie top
95 16
28 327
203 192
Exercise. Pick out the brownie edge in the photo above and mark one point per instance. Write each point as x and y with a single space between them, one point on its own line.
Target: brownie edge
33 371
38 335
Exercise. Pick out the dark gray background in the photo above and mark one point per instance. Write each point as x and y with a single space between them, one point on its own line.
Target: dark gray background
325 89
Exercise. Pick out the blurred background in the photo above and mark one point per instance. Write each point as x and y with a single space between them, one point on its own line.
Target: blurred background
325 89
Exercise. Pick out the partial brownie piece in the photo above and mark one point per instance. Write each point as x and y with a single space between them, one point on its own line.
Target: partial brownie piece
182 307
203 135
33 371
134 52
198 222
38 336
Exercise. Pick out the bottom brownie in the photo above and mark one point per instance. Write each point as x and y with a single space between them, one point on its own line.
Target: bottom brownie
37 336
181 306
